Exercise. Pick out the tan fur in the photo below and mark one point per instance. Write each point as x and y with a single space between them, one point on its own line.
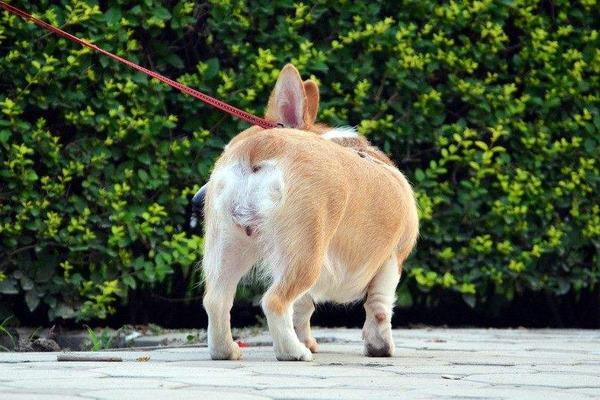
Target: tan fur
312 101
338 222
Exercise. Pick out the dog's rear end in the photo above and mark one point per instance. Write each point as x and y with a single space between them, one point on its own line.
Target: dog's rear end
333 223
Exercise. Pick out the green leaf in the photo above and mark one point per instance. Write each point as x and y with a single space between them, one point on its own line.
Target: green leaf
589 145
143 175
129 281
4 135
8 286
64 311
419 175
469 299
213 68
404 298
32 299
113 16
161 13
175 61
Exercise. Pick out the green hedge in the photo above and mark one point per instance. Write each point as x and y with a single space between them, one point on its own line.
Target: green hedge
490 107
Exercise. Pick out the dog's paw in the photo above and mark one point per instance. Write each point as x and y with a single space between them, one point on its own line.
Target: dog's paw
298 353
311 344
378 338
231 353
379 350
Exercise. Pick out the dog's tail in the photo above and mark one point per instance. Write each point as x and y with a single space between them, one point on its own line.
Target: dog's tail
197 206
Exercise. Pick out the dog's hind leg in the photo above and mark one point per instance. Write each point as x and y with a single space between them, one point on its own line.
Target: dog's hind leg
377 331
294 274
228 256
303 309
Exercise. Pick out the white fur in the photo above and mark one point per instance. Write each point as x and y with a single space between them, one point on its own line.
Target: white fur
342 132
224 266
380 303
246 197
303 309
285 341
336 284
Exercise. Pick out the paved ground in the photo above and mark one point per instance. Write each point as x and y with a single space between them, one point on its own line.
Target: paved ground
430 364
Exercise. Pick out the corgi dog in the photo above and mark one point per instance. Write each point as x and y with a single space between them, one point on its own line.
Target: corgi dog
327 214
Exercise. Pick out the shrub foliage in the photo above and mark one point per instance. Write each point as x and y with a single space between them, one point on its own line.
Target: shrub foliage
490 107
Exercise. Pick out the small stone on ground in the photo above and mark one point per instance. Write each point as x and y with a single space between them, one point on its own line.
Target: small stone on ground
429 364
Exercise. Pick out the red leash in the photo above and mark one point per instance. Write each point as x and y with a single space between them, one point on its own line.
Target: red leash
236 112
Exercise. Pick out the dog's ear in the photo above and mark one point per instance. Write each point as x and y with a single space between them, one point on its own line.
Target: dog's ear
287 104
312 100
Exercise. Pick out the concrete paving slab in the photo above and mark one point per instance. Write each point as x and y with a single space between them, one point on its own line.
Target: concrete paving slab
429 364
178 394
6 395
66 385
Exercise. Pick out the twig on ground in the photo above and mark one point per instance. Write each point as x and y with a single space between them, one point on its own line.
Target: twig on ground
92 358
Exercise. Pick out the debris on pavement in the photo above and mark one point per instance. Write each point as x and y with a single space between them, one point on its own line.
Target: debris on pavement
88 358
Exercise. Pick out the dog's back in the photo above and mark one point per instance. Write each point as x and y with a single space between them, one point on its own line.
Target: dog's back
280 179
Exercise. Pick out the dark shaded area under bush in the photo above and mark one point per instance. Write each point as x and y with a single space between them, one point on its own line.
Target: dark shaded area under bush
531 310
